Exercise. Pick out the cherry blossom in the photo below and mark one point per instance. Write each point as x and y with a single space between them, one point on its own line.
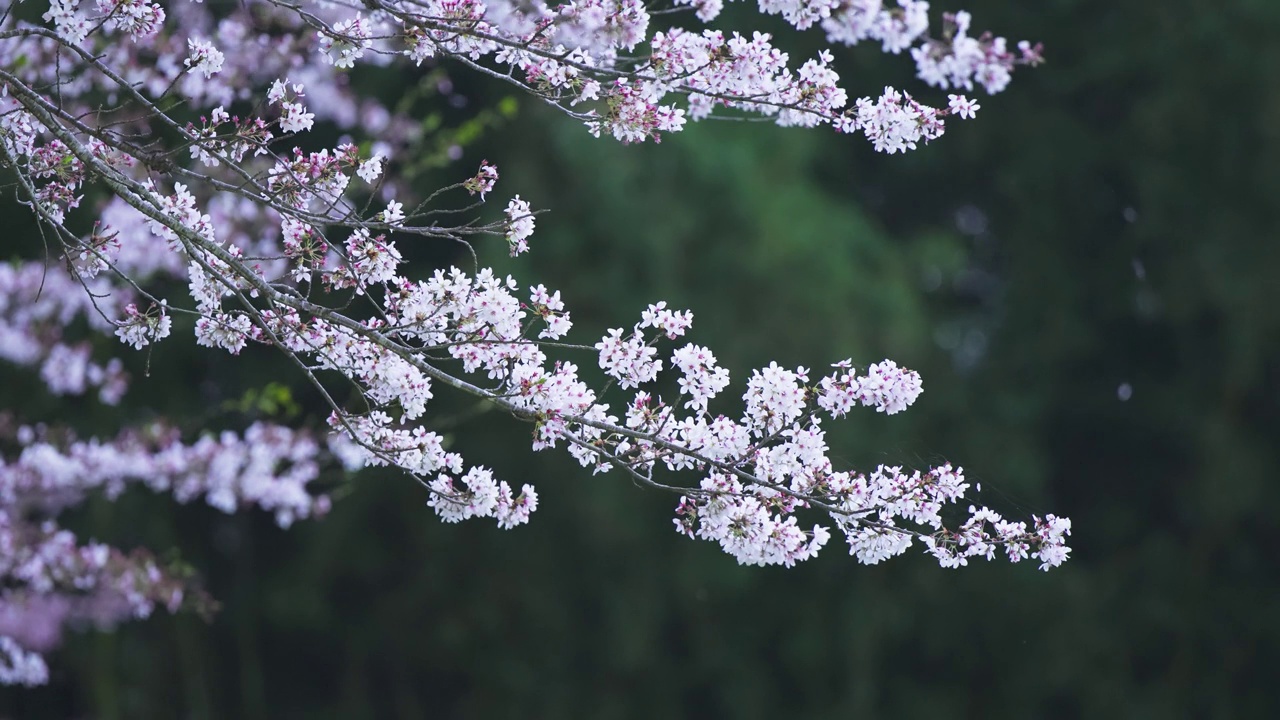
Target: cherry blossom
240 188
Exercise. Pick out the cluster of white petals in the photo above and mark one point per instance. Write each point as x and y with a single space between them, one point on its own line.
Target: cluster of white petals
477 494
268 466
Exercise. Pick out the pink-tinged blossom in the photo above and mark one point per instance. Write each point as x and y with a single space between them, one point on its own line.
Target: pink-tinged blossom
204 58
347 41
873 545
477 494
774 399
19 666
371 169
483 181
519 225
889 388
228 331
1052 533
673 323
963 106
745 528
70 24
140 329
394 214
181 206
550 308
628 359
373 259
294 118
101 249
282 90
138 18
960 61
896 122
20 130
702 379
515 511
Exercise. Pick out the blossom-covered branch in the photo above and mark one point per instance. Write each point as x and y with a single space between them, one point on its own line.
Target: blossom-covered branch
189 128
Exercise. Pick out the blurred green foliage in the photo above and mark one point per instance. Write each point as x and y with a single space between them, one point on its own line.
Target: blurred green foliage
1110 220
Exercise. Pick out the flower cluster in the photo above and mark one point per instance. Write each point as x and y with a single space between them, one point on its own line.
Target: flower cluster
205 58
140 329
483 181
346 41
269 467
51 580
957 60
478 495
886 387
37 305
520 225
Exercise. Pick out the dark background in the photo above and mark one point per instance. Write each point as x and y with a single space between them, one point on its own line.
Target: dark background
1110 220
